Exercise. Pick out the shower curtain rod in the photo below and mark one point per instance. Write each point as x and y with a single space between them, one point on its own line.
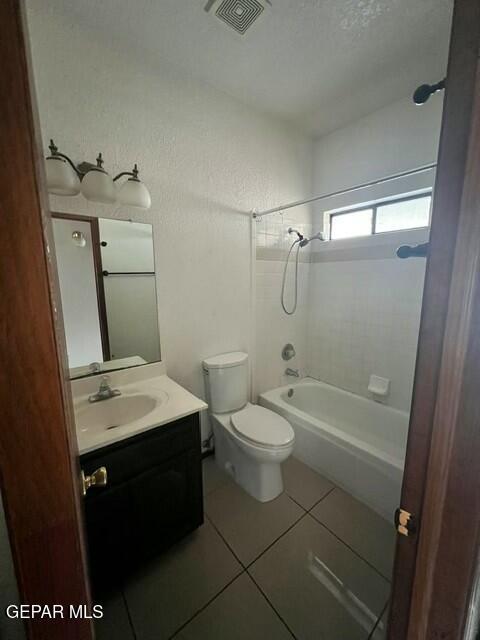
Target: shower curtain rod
395 176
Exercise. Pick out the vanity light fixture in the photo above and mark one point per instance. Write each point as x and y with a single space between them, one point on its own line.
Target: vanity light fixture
97 185
133 192
62 177
66 179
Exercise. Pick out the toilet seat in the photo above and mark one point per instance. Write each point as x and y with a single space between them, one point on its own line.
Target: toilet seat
262 427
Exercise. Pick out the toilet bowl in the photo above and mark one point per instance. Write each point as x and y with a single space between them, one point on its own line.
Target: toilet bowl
251 441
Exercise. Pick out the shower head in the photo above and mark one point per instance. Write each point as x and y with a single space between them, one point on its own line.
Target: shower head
424 91
292 230
317 236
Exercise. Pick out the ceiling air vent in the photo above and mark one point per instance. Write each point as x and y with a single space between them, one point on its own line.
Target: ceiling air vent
238 14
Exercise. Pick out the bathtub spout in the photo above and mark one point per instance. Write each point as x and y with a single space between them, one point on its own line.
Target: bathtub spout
292 372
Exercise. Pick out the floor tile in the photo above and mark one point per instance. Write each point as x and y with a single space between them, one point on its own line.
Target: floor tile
238 613
213 476
177 585
247 525
115 622
303 484
367 533
380 632
319 586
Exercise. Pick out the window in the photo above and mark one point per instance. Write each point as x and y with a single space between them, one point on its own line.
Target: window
394 215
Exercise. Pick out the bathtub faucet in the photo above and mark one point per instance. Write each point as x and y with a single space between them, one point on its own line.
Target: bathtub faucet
292 372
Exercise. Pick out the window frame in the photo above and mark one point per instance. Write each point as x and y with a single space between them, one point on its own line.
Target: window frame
374 206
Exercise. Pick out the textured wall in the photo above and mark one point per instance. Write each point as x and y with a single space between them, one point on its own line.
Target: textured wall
207 159
398 137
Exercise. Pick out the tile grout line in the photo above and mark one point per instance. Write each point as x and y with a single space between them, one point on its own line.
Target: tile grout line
339 538
276 540
307 511
194 615
322 498
295 501
270 604
322 524
246 567
129 615
378 621
225 541
249 564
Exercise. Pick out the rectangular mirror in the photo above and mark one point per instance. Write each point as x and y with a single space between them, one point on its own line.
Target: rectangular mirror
106 270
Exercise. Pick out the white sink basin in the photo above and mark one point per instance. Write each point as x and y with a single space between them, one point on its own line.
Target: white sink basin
146 402
114 412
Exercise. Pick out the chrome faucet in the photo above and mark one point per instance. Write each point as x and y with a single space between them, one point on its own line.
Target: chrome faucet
104 391
292 372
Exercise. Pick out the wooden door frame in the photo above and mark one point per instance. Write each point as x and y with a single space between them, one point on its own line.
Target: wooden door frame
436 433
39 470
97 265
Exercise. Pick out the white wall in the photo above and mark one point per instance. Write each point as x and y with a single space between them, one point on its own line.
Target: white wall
365 304
207 160
398 137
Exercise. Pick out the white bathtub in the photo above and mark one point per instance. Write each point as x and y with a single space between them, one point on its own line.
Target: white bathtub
357 443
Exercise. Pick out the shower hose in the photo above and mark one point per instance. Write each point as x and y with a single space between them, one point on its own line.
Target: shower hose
295 290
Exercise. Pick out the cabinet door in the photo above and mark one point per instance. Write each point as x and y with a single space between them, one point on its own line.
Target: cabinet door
107 523
164 503
137 519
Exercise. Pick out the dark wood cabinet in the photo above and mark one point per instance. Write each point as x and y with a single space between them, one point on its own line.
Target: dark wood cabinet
153 497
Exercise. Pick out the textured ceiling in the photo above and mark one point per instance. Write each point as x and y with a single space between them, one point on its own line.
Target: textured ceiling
317 63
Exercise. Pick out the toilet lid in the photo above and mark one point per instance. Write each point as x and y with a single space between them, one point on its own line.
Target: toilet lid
262 426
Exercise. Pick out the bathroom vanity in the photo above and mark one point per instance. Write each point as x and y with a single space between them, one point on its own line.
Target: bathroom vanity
153 493
152 499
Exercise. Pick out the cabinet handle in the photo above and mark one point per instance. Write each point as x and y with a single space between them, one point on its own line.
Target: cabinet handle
98 478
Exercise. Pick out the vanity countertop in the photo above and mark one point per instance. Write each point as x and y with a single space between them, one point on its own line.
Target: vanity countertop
158 400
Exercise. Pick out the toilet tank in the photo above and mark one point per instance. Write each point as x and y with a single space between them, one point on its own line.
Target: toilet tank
226 380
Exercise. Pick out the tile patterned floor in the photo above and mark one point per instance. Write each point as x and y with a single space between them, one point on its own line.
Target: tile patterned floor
312 564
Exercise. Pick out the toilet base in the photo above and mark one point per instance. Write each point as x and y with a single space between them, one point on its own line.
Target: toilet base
260 478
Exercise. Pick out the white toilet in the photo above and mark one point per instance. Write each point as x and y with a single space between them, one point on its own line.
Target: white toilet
251 442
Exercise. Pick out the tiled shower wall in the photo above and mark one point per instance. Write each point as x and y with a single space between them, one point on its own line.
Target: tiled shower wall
363 319
272 232
274 328
355 317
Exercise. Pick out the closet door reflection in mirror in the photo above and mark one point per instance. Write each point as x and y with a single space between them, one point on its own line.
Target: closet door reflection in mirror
106 270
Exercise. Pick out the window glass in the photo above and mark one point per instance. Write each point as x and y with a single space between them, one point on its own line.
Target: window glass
406 214
351 225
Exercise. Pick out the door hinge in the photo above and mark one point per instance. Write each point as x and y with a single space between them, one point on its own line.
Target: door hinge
405 522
